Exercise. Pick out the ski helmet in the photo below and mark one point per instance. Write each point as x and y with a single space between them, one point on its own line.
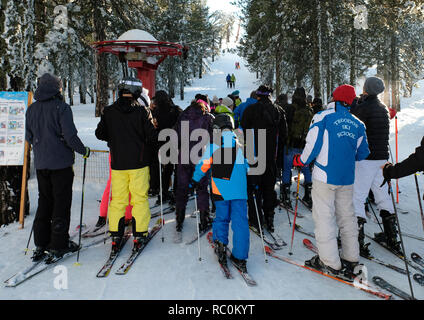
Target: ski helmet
223 121
130 85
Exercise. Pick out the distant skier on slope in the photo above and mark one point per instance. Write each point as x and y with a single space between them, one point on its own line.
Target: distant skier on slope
228 79
336 139
229 192
51 130
128 129
368 172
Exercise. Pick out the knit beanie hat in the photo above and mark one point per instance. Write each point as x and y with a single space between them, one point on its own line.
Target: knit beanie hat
374 86
228 102
344 93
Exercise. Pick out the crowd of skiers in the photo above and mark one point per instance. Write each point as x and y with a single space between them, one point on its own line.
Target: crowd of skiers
341 149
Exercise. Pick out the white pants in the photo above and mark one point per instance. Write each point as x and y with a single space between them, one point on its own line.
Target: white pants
333 210
369 175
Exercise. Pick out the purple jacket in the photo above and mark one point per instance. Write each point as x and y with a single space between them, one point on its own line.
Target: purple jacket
196 119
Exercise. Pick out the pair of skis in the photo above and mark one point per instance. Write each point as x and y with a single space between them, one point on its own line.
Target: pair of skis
371 258
380 282
42 265
126 266
274 240
226 271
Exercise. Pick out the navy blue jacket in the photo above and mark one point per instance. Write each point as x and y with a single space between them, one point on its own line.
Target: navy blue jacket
50 129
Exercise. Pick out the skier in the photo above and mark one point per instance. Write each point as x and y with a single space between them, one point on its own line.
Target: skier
233 80
317 105
238 111
195 116
335 140
229 185
165 114
144 101
128 129
368 172
235 96
299 117
263 115
414 163
51 130
228 79
226 106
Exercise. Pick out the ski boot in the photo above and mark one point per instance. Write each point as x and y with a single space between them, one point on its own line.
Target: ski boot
364 251
285 197
100 223
269 222
139 240
239 264
39 254
116 244
317 264
220 251
348 270
307 197
153 192
389 237
57 254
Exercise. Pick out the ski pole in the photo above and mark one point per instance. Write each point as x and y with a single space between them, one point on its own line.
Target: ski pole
373 211
197 220
29 239
419 199
295 210
82 209
161 196
259 225
401 239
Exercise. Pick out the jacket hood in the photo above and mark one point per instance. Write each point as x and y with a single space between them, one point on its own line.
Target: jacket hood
125 105
48 87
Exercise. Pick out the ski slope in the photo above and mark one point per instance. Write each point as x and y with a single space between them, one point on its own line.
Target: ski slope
172 271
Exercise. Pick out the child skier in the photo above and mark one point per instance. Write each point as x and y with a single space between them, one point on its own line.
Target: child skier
229 191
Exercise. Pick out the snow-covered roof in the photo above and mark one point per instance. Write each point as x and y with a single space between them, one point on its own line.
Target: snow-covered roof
136 34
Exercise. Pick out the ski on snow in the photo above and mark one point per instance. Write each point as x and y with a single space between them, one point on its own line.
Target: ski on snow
387 286
360 286
370 258
246 276
105 270
301 200
283 207
419 278
201 233
42 265
135 254
225 270
271 242
402 257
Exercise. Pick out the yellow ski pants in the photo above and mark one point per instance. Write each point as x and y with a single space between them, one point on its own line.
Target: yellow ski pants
126 181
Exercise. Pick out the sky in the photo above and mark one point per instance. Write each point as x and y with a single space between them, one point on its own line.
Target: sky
223 5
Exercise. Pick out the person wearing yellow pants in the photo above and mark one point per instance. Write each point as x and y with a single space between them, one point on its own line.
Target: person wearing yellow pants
127 127
125 182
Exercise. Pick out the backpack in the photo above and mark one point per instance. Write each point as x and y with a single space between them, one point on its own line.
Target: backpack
299 127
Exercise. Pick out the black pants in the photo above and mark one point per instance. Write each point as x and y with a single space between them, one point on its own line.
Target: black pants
167 171
266 197
51 224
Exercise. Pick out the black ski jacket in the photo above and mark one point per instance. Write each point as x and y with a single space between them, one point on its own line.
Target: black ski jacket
373 113
128 129
414 163
264 115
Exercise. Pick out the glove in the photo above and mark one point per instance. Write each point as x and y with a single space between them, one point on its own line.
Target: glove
87 153
296 161
386 173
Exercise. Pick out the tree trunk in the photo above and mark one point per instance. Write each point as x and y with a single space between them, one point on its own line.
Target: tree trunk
278 76
352 54
316 78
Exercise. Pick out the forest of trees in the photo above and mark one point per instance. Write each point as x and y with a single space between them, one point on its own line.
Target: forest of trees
38 36
320 44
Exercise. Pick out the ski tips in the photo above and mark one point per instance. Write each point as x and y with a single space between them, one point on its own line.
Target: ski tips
268 249
306 241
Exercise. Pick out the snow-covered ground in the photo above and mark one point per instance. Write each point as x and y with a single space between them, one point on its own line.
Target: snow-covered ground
173 271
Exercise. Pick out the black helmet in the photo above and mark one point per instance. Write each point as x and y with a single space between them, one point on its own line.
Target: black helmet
223 121
130 85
